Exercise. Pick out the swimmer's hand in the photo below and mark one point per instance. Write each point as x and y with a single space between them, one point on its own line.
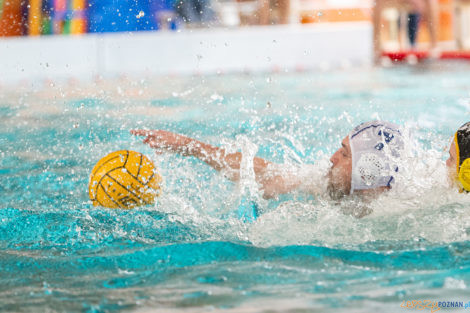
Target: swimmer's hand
162 140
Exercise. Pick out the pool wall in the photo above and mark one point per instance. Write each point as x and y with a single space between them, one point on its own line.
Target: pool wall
29 60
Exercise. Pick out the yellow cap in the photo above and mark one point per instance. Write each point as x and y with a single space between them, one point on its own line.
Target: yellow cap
464 174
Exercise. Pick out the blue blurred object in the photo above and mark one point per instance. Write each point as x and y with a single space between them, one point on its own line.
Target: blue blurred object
120 16
413 25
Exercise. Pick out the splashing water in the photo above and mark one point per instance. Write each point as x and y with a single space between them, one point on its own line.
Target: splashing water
191 250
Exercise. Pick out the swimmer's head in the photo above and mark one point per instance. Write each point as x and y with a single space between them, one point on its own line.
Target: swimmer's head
458 163
367 159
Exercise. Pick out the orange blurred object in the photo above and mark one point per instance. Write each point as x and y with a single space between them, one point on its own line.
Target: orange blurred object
330 14
11 21
34 18
445 30
78 22
335 15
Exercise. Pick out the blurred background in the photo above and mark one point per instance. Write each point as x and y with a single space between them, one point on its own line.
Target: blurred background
48 17
214 35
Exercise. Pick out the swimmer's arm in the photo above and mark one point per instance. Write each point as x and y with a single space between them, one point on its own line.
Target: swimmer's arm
267 174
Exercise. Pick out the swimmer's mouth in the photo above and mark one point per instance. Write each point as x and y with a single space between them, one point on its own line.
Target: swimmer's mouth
329 175
333 191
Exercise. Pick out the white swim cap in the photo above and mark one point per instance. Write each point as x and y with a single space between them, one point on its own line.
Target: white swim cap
375 147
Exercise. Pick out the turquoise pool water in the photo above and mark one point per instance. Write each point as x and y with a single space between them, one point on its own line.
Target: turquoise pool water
190 252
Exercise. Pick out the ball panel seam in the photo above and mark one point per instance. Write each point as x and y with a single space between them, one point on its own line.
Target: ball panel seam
127 158
104 190
129 190
99 183
140 164
104 163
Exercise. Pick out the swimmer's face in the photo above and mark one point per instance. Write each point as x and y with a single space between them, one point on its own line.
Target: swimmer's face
451 163
339 176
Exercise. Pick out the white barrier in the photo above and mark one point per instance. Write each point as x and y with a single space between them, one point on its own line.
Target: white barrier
187 52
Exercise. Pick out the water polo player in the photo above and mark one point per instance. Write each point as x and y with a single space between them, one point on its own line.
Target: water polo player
458 163
366 161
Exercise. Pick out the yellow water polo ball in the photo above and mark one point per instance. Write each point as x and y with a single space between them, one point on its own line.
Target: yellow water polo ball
124 179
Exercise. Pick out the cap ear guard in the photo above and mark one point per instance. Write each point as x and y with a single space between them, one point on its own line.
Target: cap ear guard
464 174
370 168
463 170
457 153
462 149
